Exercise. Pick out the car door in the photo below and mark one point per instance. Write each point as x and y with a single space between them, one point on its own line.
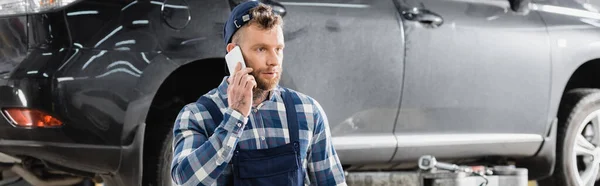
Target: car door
348 55
477 79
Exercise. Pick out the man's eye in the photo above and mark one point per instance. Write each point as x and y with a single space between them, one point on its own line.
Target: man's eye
261 49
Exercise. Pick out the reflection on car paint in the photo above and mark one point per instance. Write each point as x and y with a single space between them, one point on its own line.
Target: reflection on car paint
87 12
22 97
68 60
127 6
60 79
102 52
590 22
565 11
335 5
589 16
123 49
50 31
108 36
126 42
124 63
118 70
145 58
139 22
192 40
169 5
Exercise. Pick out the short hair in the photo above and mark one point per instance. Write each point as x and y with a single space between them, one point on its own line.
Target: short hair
263 16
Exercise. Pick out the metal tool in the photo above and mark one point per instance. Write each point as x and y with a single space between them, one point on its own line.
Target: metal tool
428 162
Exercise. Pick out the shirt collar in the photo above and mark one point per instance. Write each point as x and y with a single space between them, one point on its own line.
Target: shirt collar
222 89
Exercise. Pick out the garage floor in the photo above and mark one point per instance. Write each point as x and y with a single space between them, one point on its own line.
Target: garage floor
21 182
14 180
11 179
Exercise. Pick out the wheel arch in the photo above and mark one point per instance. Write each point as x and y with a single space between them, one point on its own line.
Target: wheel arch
183 85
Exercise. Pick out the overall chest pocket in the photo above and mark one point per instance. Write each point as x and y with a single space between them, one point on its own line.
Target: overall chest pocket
275 166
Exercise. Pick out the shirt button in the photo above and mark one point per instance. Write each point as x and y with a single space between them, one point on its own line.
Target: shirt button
254 110
239 124
262 138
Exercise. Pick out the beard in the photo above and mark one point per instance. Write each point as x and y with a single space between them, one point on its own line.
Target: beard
263 83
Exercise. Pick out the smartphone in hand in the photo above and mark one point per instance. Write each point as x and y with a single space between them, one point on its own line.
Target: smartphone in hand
233 57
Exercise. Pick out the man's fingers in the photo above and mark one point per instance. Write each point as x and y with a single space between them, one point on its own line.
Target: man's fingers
247 81
250 82
254 84
239 79
236 69
230 79
244 71
242 74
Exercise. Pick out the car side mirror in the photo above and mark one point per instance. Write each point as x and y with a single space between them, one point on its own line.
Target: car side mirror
519 5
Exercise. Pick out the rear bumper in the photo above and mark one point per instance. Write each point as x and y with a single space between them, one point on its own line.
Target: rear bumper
10 134
116 165
59 146
36 91
78 146
71 148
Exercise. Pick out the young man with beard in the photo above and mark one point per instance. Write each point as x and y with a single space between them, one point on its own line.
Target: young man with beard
249 130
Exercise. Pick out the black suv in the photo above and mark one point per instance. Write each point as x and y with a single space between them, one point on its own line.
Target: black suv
88 88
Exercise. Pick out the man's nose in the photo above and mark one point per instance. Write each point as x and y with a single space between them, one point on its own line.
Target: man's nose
273 59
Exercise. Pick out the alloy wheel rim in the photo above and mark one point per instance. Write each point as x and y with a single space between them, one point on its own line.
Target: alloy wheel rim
585 154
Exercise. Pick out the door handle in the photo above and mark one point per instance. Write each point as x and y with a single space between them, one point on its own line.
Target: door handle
423 16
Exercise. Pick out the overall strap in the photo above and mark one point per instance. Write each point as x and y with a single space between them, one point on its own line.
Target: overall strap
290 110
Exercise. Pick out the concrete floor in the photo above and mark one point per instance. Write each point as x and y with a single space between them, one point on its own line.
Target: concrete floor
12 179
21 182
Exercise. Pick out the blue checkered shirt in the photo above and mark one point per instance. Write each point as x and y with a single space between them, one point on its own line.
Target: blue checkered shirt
203 159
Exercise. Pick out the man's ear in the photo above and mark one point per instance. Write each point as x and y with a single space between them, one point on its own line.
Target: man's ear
230 47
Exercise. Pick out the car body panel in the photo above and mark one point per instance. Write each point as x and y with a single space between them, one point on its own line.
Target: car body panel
573 27
468 81
355 72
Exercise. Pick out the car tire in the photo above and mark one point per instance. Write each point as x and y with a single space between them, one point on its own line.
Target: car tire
164 163
578 117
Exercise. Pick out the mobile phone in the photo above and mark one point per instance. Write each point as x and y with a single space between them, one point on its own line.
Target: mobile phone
233 57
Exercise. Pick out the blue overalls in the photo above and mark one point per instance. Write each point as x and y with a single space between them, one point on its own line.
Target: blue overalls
276 166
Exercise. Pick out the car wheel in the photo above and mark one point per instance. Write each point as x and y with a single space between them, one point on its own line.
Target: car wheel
164 162
578 140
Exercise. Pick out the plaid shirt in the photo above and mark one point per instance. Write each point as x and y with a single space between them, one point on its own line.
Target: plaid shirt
203 159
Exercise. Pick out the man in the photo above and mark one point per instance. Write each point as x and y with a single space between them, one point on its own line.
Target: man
249 130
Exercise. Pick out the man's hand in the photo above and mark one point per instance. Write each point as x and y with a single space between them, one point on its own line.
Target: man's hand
239 91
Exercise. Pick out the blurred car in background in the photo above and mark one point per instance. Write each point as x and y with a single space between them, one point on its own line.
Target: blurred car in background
91 88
